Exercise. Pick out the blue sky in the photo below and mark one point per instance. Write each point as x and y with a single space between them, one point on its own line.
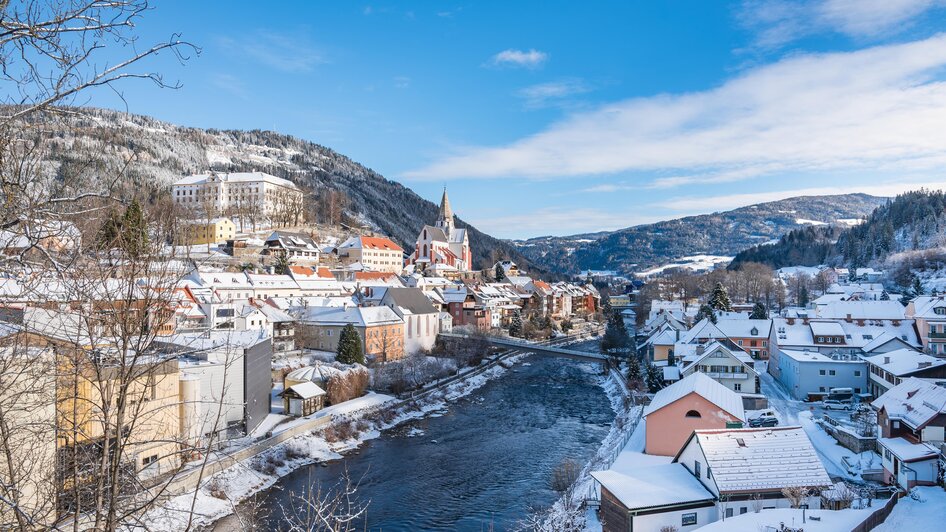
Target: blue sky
566 117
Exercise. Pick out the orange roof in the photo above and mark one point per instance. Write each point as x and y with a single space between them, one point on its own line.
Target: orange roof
372 276
324 272
378 242
301 270
542 284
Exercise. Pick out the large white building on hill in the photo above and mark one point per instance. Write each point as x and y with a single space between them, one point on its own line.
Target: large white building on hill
442 247
254 193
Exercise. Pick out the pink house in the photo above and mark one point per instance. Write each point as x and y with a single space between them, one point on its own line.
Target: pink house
694 403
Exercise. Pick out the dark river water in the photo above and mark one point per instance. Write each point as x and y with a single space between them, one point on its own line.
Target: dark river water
483 463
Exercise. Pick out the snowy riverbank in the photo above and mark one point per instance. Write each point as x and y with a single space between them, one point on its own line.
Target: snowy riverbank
219 495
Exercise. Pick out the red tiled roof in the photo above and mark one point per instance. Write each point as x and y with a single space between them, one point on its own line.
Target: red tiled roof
371 276
377 242
301 270
324 272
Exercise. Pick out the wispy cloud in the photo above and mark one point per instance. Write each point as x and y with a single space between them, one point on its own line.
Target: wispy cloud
684 205
402 82
562 220
553 93
231 84
276 50
777 22
519 58
873 109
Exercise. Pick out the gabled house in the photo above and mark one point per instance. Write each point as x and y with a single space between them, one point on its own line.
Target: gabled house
652 499
733 368
696 402
421 318
374 253
929 312
887 370
810 375
911 418
298 248
752 336
740 466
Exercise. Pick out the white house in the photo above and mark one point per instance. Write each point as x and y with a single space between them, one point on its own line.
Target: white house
739 466
421 319
733 368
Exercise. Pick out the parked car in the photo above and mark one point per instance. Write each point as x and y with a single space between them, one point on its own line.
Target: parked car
763 421
831 404
763 418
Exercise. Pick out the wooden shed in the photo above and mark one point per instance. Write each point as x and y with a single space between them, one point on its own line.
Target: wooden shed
303 399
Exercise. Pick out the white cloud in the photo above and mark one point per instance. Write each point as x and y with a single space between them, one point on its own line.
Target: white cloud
778 22
686 205
276 50
520 58
877 108
552 93
402 82
561 220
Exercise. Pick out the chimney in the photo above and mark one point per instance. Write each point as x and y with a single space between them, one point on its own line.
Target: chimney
700 349
848 319
790 321
886 360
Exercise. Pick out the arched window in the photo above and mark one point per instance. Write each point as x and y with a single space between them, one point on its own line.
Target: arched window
425 251
693 413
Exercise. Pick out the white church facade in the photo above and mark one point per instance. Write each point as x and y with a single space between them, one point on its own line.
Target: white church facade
442 249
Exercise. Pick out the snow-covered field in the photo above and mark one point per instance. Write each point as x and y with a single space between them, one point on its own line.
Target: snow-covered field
697 263
926 512
803 221
828 521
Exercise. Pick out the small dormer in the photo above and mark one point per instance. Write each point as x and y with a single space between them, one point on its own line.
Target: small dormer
754 331
940 311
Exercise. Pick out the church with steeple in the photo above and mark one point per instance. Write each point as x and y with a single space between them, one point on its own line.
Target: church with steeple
442 249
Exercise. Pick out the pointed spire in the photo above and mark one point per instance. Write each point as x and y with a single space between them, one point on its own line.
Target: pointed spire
446 213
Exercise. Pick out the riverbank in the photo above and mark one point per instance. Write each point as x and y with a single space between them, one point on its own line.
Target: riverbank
219 494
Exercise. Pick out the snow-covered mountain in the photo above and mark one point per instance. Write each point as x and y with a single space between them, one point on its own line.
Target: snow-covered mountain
158 153
644 247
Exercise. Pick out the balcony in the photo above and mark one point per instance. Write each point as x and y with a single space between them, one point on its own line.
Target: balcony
937 335
718 375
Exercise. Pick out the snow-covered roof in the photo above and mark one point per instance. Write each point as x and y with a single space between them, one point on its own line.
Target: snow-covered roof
903 362
320 372
671 373
907 451
751 460
826 328
815 356
236 177
705 387
867 310
358 316
307 390
925 307
913 401
710 350
795 332
648 487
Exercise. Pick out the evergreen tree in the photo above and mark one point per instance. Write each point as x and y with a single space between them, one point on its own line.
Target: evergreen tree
349 346
281 264
111 230
515 326
884 296
719 299
671 358
500 273
615 333
706 312
134 230
759 312
635 377
803 297
917 286
655 378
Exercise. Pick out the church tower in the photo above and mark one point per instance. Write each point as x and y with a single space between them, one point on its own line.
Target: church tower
445 221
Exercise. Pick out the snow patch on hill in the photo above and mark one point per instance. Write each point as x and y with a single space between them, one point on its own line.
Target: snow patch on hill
696 263
804 221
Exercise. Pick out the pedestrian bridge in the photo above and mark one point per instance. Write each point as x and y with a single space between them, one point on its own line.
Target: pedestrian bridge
547 348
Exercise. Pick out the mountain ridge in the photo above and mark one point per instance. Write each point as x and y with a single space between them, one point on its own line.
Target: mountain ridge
646 246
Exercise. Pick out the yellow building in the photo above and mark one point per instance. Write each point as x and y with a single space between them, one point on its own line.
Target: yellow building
209 232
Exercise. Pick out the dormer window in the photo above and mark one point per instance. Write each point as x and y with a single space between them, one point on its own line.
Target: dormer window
940 311
754 332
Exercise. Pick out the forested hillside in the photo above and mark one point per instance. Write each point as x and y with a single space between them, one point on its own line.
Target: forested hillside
722 233
150 154
904 235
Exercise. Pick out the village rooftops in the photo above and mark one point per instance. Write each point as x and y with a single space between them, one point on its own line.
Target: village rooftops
826 328
412 300
753 460
928 307
913 401
654 486
904 362
865 335
703 386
